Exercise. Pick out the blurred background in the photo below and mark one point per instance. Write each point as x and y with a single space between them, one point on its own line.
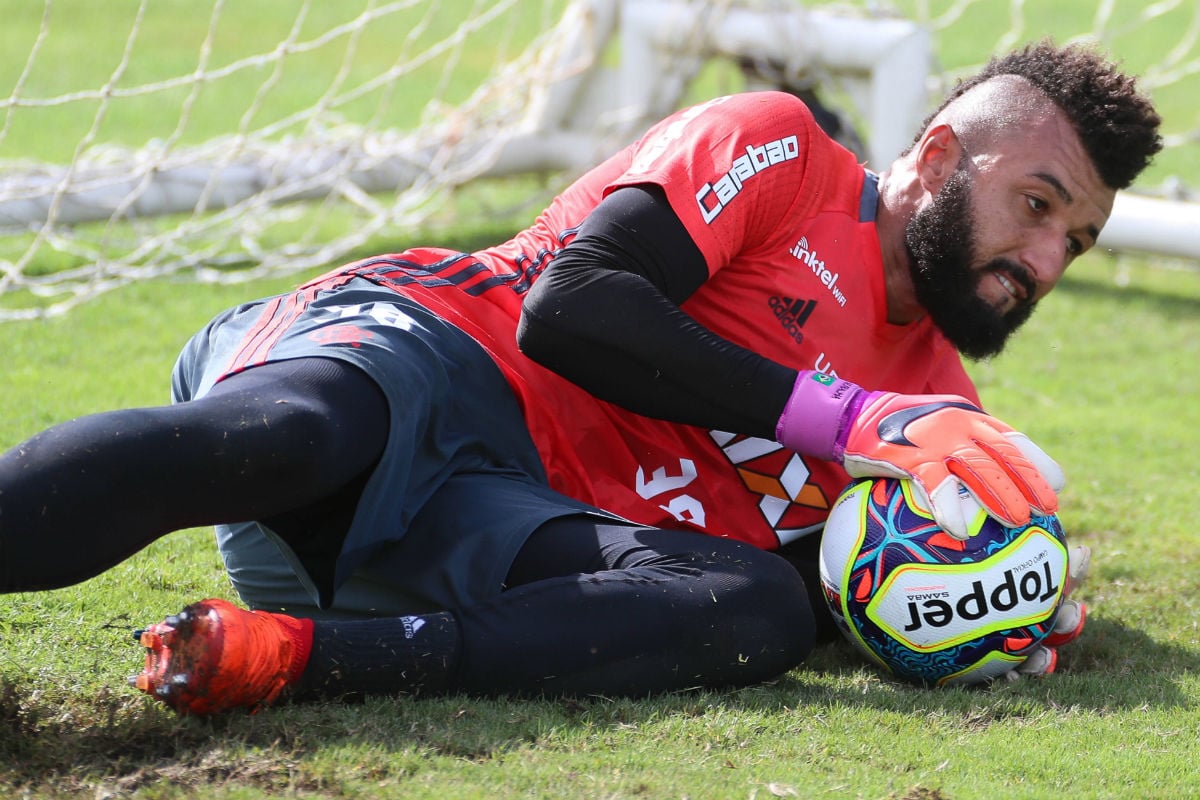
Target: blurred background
226 141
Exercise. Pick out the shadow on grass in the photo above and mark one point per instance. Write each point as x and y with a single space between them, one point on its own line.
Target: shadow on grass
1112 668
118 742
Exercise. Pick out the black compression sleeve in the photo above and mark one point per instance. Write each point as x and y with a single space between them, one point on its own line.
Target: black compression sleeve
605 315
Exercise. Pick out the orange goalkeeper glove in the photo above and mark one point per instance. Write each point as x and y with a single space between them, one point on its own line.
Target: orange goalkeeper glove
1072 614
943 443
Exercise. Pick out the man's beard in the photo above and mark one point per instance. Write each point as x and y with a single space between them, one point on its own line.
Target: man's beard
940 240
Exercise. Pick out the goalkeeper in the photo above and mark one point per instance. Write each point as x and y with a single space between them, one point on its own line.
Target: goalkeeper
571 463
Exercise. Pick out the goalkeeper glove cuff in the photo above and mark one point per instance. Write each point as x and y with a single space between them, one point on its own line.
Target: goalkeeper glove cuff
817 417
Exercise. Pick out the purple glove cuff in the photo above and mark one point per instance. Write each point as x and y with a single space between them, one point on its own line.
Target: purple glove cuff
816 418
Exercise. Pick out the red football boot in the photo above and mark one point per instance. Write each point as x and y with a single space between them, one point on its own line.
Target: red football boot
214 656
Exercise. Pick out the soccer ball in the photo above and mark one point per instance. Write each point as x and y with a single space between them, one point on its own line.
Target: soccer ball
927 607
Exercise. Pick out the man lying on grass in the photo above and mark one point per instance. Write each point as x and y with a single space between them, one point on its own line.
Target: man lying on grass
596 458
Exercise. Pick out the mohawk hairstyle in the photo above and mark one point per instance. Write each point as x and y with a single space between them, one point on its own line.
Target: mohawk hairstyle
1117 125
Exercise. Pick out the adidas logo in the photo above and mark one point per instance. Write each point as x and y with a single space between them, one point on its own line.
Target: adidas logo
411 626
792 314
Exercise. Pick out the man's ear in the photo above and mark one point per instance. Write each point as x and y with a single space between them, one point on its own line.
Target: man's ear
938 155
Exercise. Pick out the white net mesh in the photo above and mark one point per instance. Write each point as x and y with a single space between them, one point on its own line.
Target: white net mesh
232 140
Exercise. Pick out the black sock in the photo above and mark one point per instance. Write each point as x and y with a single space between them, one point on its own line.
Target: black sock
388 655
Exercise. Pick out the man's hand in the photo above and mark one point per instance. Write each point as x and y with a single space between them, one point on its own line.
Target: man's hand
1067 625
940 442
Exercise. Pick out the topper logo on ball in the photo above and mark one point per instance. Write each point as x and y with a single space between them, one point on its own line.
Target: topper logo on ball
1034 586
1023 589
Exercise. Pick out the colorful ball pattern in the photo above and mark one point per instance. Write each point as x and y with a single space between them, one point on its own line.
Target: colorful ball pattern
932 609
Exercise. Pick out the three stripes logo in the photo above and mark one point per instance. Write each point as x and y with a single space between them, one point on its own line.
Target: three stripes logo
411 626
792 314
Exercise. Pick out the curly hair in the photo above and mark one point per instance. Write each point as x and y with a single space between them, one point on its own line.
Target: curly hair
1117 125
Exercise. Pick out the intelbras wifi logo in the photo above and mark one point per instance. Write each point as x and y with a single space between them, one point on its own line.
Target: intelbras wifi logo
808 256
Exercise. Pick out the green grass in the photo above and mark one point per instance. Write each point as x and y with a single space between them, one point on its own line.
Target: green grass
167 46
1106 378
72 93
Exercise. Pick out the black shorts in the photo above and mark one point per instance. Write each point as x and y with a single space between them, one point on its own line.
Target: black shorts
460 485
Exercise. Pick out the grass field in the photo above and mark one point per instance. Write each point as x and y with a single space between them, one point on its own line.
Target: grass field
1106 378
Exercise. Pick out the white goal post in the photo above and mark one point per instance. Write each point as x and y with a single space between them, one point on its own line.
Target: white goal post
573 118
586 85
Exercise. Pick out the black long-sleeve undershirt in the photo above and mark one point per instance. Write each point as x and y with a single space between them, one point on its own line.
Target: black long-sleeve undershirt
606 315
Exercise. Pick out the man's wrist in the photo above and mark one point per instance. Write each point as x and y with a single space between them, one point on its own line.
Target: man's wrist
817 417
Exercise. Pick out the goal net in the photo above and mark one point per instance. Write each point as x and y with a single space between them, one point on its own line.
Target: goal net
226 141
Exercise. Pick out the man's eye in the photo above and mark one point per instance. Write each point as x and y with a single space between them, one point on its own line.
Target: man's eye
1036 203
1074 246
